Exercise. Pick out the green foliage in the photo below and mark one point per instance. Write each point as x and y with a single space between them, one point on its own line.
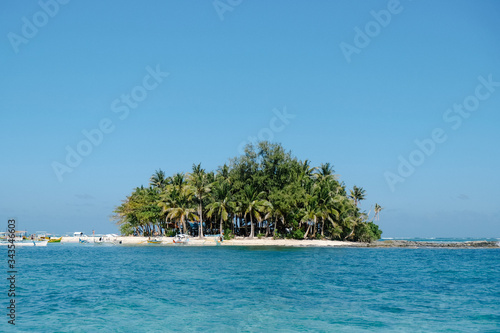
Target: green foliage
260 236
336 232
367 232
298 234
278 235
375 230
228 234
265 191
357 194
171 233
126 229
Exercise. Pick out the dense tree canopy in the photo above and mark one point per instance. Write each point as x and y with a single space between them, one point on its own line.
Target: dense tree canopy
264 192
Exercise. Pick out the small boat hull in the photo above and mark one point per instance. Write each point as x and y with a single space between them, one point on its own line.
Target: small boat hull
154 241
26 243
55 240
104 243
181 239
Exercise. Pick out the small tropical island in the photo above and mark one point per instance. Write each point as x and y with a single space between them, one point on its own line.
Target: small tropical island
264 193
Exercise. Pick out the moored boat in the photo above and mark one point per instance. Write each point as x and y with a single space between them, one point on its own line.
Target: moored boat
181 239
25 243
109 239
83 241
21 239
55 240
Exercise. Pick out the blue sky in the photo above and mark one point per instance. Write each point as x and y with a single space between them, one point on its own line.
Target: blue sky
229 66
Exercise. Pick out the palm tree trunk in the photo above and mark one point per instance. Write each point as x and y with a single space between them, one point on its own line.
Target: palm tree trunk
221 225
251 226
200 213
323 227
184 223
307 231
313 232
276 226
349 234
246 226
239 224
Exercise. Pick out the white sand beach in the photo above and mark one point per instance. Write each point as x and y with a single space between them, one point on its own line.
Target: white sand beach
269 241
211 241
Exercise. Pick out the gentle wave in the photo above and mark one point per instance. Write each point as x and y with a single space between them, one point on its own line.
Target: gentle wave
244 289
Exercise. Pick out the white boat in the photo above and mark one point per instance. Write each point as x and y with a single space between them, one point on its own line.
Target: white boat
110 239
21 239
181 239
26 243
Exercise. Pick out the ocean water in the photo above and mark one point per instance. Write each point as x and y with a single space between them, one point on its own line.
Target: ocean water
81 288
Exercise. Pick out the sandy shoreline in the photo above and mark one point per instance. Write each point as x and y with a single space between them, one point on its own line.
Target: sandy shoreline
240 241
211 241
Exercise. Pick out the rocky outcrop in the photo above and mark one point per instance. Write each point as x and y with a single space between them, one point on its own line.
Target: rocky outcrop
414 244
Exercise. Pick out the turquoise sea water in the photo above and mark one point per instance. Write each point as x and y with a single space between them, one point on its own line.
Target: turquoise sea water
78 288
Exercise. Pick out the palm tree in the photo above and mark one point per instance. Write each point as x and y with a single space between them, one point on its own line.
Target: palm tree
158 179
310 213
169 198
177 203
223 173
378 208
283 203
179 180
325 171
357 194
221 204
306 172
183 213
199 182
253 205
350 217
345 222
334 214
327 212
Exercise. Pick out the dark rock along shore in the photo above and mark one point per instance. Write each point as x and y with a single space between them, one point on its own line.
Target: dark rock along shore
413 244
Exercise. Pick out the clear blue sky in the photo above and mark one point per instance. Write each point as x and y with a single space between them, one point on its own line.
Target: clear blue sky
225 78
